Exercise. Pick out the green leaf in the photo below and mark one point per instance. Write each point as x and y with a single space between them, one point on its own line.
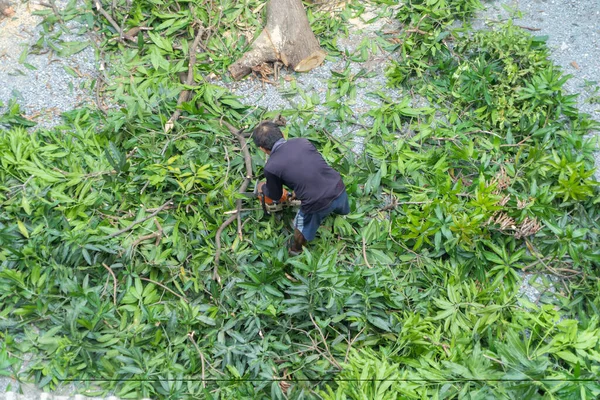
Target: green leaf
22 229
568 356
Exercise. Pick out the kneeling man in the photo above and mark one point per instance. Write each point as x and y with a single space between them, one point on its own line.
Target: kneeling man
297 164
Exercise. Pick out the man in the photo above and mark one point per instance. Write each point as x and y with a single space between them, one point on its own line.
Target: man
297 164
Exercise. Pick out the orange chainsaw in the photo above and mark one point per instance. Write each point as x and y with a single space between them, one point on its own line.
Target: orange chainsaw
269 205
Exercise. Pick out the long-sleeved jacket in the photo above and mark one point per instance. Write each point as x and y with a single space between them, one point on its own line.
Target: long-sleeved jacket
297 164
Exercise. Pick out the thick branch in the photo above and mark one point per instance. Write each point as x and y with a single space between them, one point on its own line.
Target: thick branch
248 163
185 94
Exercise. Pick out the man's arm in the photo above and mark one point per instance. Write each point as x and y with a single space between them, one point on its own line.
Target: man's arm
274 186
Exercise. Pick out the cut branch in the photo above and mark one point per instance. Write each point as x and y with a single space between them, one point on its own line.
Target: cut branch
185 94
330 358
287 37
191 337
154 235
248 163
364 251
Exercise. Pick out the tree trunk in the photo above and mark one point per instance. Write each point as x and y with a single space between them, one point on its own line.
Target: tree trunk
287 37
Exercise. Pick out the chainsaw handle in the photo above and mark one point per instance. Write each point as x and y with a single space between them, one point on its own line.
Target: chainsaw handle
259 188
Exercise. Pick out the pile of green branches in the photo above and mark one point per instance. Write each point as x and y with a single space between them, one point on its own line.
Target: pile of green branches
108 223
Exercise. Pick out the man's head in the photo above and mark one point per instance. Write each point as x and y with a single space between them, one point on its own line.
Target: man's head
265 135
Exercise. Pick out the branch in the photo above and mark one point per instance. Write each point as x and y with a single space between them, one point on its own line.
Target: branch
164 287
395 203
191 337
331 358
134 223
185 94
248 163
364 251
351 343
218 243
114 283
112 21
154 235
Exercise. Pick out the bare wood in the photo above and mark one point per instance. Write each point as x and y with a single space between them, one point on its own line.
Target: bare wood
351 343
154 235
287 37
392 206
112 21
226 223
243 209
331 358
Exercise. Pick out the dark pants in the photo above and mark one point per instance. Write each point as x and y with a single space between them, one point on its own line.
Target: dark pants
308 223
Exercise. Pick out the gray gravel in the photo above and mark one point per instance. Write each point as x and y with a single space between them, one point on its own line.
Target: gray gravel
45 89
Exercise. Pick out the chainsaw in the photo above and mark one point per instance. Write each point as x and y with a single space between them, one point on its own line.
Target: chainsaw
268 205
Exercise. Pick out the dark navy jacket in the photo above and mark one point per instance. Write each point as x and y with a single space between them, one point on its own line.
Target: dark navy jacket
297 164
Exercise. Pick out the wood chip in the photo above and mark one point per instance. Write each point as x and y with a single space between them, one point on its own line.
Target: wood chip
575 65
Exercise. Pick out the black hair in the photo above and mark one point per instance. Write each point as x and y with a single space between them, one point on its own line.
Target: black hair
266 134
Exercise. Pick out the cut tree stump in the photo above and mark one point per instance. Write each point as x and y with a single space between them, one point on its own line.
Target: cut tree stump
287 38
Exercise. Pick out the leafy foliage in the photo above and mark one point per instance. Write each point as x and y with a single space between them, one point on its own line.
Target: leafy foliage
107 226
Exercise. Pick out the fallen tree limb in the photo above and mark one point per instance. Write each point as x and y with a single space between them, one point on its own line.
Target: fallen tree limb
364 252
185 94
248 163
330 357
154 235
191 337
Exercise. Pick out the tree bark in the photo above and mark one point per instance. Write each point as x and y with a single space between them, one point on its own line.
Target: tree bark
287 37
